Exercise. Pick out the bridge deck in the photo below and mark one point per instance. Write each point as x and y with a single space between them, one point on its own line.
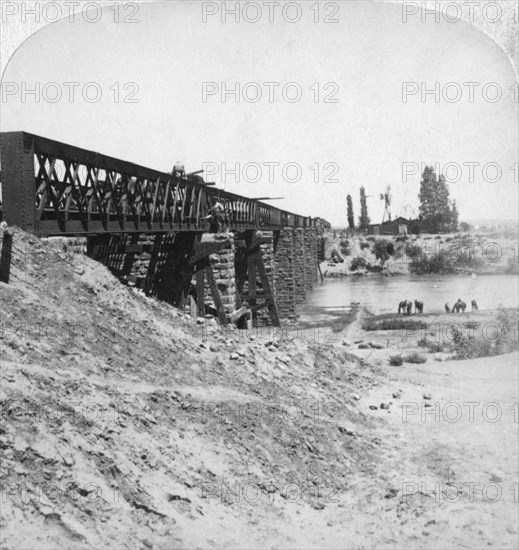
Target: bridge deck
51 188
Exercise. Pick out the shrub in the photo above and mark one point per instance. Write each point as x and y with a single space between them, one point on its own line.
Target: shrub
415 358
504 319
396 361
462 347
358 263
431 345
370 324
392 324
435 347
464 258
439 263
371 238
484 348
380 251
507 341
345 247
413 250
401 238
466 348
364 245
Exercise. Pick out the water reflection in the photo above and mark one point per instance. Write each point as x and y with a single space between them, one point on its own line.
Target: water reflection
382 294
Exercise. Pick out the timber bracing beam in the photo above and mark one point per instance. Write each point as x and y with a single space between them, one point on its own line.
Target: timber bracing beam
253 284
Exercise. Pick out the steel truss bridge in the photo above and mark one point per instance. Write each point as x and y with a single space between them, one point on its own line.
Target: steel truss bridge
51 188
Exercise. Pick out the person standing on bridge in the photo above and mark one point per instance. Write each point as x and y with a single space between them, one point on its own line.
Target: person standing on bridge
179 170
216 217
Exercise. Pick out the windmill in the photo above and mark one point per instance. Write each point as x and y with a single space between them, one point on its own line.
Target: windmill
386 197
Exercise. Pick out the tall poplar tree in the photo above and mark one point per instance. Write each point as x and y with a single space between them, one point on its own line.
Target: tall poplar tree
351 217
364 218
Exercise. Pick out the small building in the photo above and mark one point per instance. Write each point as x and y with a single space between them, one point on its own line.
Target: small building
398 226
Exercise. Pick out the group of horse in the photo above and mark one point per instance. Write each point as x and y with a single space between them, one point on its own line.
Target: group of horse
406 306
461 306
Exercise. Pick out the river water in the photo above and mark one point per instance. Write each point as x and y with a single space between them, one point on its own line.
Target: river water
382 294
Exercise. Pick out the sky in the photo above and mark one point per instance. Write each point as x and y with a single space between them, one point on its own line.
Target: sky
368 137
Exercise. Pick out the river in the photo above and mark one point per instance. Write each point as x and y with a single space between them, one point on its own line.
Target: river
381 294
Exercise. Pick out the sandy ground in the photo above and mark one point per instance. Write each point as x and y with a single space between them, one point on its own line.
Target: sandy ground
143 428
432 327
463 438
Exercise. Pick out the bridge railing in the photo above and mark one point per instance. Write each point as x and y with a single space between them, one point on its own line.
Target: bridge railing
51 188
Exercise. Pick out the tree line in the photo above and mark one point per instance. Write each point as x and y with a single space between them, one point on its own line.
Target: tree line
437 213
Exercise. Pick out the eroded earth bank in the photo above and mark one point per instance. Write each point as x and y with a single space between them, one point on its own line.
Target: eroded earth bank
127 424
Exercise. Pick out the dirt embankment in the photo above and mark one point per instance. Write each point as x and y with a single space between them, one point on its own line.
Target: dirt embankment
125 424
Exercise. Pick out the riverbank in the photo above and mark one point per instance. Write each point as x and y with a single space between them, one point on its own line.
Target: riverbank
421 254
127 424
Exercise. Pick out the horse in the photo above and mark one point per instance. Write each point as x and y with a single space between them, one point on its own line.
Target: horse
418 306
447 308
474 305
402 306
455 308
460 305
409 307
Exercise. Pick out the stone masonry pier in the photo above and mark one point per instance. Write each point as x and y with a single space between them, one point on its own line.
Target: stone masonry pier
259 275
